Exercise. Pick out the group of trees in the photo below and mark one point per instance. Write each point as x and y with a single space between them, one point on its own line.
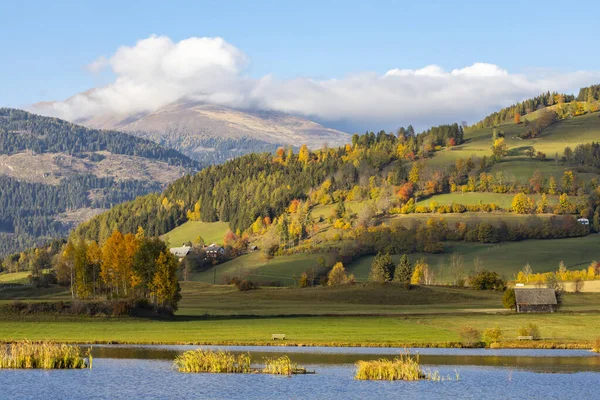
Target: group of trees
525 107
384 270
589 94
584 155
124 266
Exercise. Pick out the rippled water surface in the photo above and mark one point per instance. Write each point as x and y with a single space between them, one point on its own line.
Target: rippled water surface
146 372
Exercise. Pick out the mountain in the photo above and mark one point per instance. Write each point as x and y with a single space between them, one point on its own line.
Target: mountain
214 134
55 174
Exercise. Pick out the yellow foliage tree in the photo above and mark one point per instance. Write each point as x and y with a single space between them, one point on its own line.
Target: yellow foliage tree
337 275
194 215
521 204
304 154
164 288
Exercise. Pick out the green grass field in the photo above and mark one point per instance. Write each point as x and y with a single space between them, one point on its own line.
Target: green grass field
503 200
211 232
254 266
554 139
20 278
505 258
318 316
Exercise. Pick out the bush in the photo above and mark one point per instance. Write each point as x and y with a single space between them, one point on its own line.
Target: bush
530 329
508 300
492 335
246 285
469 336
487 280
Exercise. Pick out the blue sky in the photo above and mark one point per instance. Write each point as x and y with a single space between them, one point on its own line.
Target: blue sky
46 46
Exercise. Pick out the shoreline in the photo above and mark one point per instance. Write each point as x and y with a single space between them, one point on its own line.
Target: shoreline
536 345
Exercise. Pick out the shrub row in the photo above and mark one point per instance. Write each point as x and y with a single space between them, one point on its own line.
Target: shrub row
120 308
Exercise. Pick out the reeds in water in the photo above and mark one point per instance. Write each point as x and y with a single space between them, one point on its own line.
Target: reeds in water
283 366
404 367
596 345
217 362
43 355
223 362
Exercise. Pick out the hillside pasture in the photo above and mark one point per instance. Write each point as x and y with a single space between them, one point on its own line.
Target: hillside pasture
211 232
504 200
505 258
15 278
254 266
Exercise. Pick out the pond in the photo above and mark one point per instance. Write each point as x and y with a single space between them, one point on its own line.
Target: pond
146 372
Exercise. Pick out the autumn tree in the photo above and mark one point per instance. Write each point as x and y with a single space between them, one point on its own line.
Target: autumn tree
164 288
499 148
517 118
521 204
304 154
552 186
117 263
542 204
337 275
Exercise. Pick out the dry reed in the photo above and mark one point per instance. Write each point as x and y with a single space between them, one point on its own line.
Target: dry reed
402 368
282 366
224 362
43 355
216 362
596 345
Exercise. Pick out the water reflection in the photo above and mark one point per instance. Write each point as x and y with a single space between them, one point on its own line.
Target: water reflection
541 361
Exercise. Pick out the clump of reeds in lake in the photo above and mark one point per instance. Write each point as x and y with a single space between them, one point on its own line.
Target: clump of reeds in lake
43 355
213 362
402 368
224 362
596 345
283 366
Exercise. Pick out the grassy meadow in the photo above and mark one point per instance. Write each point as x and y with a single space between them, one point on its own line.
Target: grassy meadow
211 232
15 278
505 258
255 266
319 316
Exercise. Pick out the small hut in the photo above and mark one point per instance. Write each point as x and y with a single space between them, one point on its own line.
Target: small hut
535 300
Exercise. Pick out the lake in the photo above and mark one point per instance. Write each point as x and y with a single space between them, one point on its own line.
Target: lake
146 372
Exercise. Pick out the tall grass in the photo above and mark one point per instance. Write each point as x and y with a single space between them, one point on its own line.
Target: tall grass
43 355
404 367
213 362
596 345
282 366
223 362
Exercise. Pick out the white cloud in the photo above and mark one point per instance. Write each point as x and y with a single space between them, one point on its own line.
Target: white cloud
156 71
97 65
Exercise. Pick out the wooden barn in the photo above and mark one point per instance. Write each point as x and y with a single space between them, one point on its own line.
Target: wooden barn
535 300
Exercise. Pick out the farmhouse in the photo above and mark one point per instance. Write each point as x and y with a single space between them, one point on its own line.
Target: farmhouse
214 251
535 300
181 252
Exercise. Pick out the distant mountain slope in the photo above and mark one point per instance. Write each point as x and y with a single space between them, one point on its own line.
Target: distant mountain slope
54 174
214 133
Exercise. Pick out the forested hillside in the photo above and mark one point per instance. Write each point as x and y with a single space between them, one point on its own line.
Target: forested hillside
387 175
50 167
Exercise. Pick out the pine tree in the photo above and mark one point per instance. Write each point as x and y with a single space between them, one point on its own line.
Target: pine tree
404 271
382 268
